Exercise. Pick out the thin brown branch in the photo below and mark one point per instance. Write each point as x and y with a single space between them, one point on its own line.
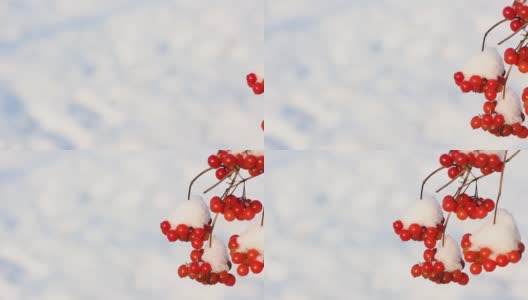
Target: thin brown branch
194 179
500 190
489 30
427 178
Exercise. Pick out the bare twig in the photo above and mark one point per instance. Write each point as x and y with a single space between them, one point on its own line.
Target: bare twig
500 190
427 178
194 179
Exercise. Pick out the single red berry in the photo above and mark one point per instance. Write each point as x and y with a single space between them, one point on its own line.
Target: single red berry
194 268
470 256
256 206
430 243
183 271
220 173
475 81
438 267
258 88
196 255
205 268
237 258
216 204
465 86
510 56
256 267
475 268
453 172
429 254
231 280
515 24
197 243
459 77
509 13
449 204
502 260
490 95
252 254
214 161
165 227
172 236
446 160
489 265
405 235
416 270
397 225
514 256
464 279
485 252
462 213
251 78
476 122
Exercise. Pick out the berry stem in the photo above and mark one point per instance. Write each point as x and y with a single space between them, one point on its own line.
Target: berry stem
449 183
262 218
427 178
220 181
233 180
500 190
489 30
512 156
212 228
194 179
512 35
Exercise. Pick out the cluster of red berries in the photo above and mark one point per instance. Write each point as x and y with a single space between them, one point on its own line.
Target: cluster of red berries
477 84
416 232
525 100
201 271
246 261
491 121
468 206
486 259
185 233
233 207
434 270
456 161
519 58
255 83
226 161
517 14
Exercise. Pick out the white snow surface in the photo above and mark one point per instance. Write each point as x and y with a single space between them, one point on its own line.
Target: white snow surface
449 254
487 64
252 238
426 212
509 107
216 255
193 212
341 76
501 237
129 74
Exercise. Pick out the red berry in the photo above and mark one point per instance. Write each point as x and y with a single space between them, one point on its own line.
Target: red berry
205 268
237 258
251 78
252 254
430 243
476 122
256 206
397 225
446 160
416 270
502 260
216 204
405 235
509 13
475 268
165 227
459 77
429 254
515 24
415 229
514 256
172 235
453 172
258 88
462 213
183 271
464 279
427 267
214 161
475 81
510 56
489 265
470 256
231 280
449 204
465 86
256 267
485 252
220 173
196 255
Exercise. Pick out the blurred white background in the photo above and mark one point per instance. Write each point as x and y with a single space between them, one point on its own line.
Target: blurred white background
329 226
129 74
85 225
375 74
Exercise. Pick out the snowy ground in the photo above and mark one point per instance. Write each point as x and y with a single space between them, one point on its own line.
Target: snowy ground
129 73
85 225
329 232
375 74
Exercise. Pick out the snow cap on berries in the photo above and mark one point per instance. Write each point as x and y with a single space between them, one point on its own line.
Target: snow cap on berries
426 212
216 255
500 238
449 254
193 213
487 64
252 238
509 107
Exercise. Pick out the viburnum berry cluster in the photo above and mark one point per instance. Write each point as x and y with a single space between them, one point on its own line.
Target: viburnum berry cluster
210 263
256 83
226 162
495 244
486 74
